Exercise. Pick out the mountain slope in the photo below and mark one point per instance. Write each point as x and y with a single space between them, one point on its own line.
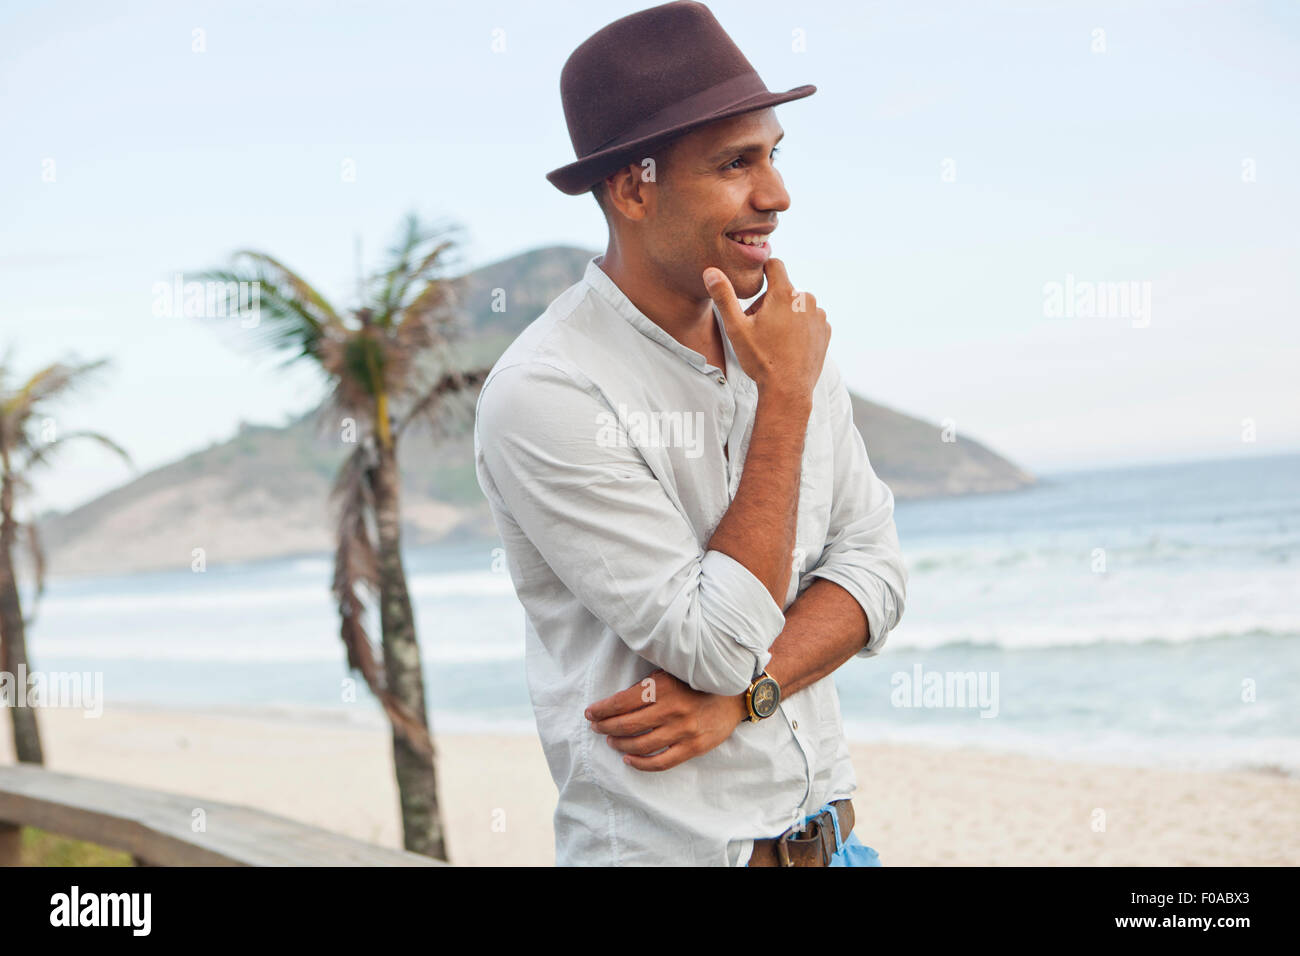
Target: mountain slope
262 494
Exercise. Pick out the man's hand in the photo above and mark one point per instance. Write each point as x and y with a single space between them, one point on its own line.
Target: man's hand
662 712
781 339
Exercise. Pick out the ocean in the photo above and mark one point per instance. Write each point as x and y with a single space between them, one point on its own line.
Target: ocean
1145 616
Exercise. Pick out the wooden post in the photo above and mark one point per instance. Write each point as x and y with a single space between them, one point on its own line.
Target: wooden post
11 843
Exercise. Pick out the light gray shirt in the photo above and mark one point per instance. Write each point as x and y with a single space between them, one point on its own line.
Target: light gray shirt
599 444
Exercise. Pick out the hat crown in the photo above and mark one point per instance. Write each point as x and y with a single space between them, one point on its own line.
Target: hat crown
648 78
642 64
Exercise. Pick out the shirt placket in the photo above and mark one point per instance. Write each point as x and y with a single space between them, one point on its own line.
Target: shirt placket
796 718
735 418
738 416
728 411
739 412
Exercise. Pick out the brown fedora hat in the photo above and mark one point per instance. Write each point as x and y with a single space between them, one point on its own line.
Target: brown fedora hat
648 78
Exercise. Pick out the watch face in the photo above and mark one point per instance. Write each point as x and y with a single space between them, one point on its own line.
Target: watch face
766 697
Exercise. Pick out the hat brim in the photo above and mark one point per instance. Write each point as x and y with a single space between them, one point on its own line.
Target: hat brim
578 177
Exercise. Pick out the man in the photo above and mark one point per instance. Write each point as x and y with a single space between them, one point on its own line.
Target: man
688 512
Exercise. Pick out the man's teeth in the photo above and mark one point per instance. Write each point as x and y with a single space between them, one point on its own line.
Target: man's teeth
754 240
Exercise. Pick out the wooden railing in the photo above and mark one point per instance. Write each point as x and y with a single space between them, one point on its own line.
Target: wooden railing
167 829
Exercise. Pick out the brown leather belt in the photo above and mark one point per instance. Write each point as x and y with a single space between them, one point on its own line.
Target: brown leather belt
814 845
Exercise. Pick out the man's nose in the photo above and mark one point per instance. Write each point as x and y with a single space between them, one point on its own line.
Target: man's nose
770 192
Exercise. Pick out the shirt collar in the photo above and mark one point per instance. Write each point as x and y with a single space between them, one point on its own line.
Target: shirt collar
598 279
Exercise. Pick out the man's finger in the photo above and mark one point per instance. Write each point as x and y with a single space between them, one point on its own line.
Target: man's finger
634 698
634 722
644 744
722 293
777 277
678 753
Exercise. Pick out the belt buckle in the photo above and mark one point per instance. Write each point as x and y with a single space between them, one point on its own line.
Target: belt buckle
824 828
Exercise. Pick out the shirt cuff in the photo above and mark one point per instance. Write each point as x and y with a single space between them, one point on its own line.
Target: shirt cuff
876 600
740 605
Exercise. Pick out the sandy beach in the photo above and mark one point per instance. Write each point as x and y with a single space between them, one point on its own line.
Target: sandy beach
916 805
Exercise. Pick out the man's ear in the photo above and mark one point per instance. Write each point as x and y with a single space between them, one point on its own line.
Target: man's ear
626 192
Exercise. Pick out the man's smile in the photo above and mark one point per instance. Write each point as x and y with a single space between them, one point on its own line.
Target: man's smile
752 244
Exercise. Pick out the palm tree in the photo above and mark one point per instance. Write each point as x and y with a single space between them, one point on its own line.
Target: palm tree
388 366
28 441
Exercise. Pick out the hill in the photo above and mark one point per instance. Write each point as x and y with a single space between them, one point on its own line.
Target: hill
261 494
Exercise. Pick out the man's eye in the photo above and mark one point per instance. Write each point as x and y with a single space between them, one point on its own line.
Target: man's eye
738 159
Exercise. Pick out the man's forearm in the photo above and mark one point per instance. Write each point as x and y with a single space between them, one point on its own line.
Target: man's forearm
824 627
758 529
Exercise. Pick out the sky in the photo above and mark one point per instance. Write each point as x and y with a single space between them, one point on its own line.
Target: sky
960 164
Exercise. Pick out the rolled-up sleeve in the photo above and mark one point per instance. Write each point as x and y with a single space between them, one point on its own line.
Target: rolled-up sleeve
862 553
557 459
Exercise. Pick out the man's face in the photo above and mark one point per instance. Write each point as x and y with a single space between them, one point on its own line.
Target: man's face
718 180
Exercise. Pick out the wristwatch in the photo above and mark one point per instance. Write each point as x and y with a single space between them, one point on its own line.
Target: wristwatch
762 698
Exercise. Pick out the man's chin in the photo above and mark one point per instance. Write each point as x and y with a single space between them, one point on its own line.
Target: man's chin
747 282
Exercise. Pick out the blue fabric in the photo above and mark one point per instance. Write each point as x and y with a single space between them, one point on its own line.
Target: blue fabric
850 852
855 853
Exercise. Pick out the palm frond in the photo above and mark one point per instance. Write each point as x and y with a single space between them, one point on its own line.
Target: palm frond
281 275
453 384
391 280
21 486
409 266
358 368
6 365
431 319
284 322
50 383
356 567
39 455
337 405
37 556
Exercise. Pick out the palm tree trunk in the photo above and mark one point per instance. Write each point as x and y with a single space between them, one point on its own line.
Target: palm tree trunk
13 637
416 777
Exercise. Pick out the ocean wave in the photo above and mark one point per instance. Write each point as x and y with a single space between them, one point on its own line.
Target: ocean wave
1154 550
1046 636
1204 752
157 651
462 584
316 567
195 597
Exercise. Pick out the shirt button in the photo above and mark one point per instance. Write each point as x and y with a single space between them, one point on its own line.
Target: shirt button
796 725
722 380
